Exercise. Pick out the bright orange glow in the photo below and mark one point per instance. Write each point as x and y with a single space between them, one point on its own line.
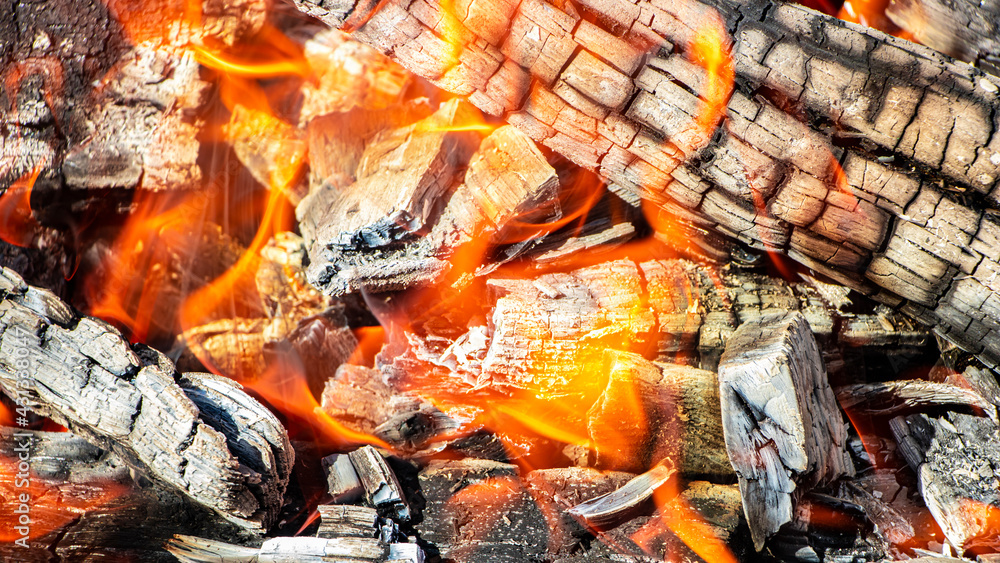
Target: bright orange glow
49 505
711 50
684 521
6 416
17 222
284 386
133 275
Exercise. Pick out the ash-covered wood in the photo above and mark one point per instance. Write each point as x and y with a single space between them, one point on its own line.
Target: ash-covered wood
784 432
956 458
382 489
196 433
83 498
826 154
338 521
365 241
137 127
191 549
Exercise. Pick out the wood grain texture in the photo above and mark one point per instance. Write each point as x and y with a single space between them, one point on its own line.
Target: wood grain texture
196 433
784 431
867 158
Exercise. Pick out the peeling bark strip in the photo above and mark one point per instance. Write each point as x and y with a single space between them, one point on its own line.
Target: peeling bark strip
197 433
865 157
782 425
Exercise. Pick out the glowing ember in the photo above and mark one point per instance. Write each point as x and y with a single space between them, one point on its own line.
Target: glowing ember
17 223
33 506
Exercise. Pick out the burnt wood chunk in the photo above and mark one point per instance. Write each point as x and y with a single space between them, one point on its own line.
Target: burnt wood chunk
83 497
196 433
890 201
956 458
481 191
784 431
137 129
382 489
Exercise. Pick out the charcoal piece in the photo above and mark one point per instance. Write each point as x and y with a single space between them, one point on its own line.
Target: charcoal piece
608 508
382 489
956 458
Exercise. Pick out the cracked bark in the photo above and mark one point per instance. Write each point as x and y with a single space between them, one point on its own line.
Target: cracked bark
195 433
869 159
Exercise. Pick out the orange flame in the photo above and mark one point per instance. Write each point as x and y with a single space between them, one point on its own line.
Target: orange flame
17 222
685 522
711 49
31 506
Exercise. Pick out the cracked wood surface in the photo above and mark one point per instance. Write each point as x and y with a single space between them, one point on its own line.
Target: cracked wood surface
784 432
196 433
870 159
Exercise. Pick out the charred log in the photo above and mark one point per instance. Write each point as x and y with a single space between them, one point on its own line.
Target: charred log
826 155
196 433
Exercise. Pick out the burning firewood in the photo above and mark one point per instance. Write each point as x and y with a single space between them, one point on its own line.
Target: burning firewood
82 497
784 432
849 200
139 127
955 457
965 30
196 433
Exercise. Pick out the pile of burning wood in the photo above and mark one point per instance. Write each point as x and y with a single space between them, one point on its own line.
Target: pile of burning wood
701 280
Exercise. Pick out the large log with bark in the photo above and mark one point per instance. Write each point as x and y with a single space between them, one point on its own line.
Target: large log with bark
867 158
196 433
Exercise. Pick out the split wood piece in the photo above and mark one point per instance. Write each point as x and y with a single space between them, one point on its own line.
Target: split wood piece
342 479
957 460
824 155
965 30
342 521
200 435
507 186
605 509
784 432
678 419
891 397
138 128
190 549
382 489
89 499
